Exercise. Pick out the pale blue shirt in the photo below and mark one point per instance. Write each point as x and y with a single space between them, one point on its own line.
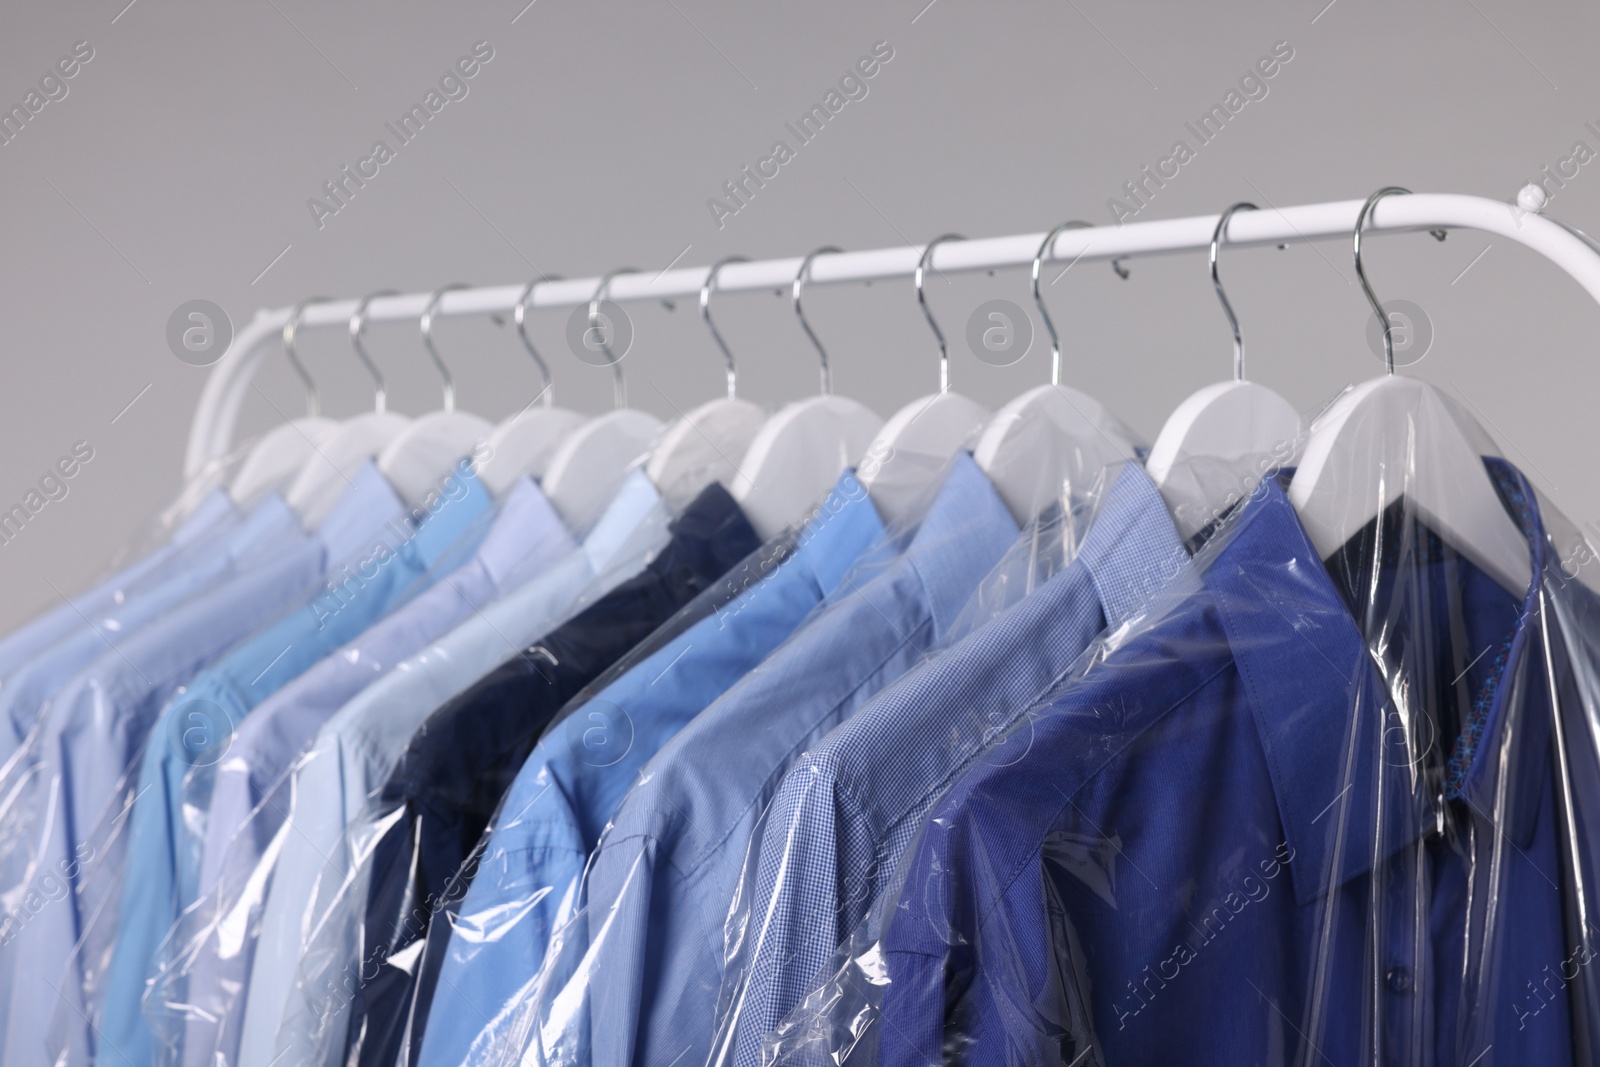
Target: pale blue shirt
196 729
356 751
197 996
554 812
83 756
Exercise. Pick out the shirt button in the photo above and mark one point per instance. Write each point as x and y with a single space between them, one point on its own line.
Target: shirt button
1399 979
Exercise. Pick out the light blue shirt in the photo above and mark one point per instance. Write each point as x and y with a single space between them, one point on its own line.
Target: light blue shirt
196 730
186 569
634 978
571 783
835 833
357 749
196 999
79 766
214 513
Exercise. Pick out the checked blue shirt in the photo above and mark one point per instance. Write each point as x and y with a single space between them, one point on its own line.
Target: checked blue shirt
1225 843
851 806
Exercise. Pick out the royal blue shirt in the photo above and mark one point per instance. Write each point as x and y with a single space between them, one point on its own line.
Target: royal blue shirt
1229 841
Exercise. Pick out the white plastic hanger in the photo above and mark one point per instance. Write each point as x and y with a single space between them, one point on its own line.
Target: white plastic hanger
915 443
799 452
423 454
1045 444
705 445
1394 436
592 462
327 472
527 441
273 461
1221 441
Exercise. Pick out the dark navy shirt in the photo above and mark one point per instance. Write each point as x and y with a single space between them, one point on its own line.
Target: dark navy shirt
445 789
1245 835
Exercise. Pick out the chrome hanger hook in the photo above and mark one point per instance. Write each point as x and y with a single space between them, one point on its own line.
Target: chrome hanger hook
519 314
705 313
799 280
426 323
313 399
619 387
358 323
1217 236
1366 287
922 266
1038 298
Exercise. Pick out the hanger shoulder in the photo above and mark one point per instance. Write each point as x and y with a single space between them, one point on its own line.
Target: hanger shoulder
1217 445
1395 436
591 463
1227 420
525 444
275 459
914 445
1050 439
423 454
797 456
328 470
702 447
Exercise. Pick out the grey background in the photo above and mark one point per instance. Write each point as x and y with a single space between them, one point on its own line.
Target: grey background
180 163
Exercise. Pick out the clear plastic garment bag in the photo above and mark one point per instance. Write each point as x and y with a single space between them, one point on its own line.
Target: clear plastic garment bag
1297 811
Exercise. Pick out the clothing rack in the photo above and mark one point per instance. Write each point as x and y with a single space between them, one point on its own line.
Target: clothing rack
217 414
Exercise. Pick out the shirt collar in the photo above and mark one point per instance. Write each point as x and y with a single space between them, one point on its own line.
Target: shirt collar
1307 679
966 530
212 509
710 536
1132 547
1328 730
1475 762
449 512
267 522
636 510
839 531
367 505
527 526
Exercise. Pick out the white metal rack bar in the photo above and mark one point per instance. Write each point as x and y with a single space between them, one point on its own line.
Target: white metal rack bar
217 414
